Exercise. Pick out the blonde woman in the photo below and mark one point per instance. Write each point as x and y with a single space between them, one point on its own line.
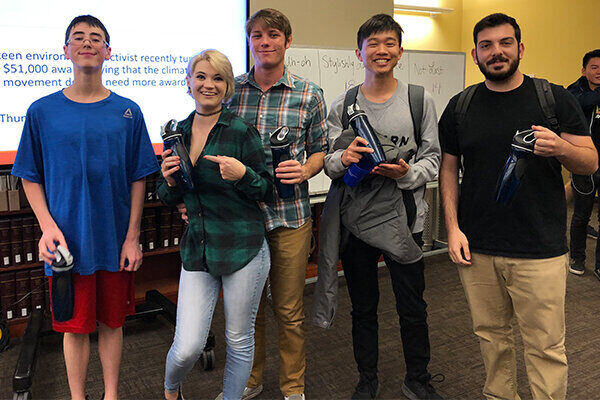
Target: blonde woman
224 246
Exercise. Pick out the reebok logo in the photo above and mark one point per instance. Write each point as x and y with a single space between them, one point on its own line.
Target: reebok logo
128 113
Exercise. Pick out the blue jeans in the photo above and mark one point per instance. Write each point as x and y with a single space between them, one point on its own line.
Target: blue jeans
198 294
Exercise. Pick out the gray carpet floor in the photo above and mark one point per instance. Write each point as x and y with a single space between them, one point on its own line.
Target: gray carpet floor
331 372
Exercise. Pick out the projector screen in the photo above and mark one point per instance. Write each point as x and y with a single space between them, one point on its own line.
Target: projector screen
150 44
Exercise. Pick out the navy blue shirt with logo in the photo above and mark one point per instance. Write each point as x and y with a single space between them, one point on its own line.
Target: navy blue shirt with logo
87 155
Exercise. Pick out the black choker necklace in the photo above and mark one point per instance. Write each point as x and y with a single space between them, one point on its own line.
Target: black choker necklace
209 114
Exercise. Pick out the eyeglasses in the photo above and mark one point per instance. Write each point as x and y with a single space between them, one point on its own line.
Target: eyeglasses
78 41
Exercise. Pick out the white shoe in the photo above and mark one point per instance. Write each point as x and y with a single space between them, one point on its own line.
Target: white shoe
295 396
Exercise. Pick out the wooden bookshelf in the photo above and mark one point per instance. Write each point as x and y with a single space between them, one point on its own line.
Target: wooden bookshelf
22 211
168 287
160 269
165 250
16 326
21 267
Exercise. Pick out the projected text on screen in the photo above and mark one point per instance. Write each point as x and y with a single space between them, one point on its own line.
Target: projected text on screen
150 53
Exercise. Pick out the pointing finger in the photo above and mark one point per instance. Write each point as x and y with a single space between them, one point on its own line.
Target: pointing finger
215 159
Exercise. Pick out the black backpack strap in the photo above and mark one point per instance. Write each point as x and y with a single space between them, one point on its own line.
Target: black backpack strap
547 102
416 96
462 105
348 101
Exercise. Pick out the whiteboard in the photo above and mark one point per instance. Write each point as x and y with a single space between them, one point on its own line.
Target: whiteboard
336 70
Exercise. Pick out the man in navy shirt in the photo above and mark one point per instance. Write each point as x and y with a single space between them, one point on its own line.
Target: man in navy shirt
83 158
587 92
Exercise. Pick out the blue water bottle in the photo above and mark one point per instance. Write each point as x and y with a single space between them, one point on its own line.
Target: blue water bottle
280 148
172 136
521 152
360 124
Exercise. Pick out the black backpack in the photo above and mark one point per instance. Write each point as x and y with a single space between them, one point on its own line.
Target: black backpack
544 95
416 95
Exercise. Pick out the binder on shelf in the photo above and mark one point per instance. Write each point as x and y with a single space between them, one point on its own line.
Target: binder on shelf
165 236
14 198
5 255
38 287
151 184
28 229
37 231
23 307
16 239
165 227
30 251
150 188
16 248
150 237
29 248
37 235
165 217
16 229
14 203
150 231
5 252
142 239
7 295
4 192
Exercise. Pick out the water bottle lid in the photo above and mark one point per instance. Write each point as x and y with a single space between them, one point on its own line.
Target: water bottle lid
279 137
524 141
64 260
357 113
170 130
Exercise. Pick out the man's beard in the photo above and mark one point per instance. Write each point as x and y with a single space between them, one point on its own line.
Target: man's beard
493 76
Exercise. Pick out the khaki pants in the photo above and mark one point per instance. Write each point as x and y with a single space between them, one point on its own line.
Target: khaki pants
289 257
498 288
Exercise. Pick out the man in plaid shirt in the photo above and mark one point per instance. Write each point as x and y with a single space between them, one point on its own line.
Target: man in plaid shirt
269 97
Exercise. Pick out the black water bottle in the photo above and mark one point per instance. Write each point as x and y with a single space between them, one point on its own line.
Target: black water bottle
280 148
172 136
63 294
360 124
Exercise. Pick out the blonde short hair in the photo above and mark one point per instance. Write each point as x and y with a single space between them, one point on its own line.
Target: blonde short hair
220 63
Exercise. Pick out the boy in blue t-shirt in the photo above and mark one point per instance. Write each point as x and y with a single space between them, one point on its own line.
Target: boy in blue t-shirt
83 158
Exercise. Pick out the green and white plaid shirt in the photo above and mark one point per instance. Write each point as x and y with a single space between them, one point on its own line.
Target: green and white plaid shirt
298 104
226 228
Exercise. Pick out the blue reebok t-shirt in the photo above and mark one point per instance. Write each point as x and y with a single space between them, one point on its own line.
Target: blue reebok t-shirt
87 155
